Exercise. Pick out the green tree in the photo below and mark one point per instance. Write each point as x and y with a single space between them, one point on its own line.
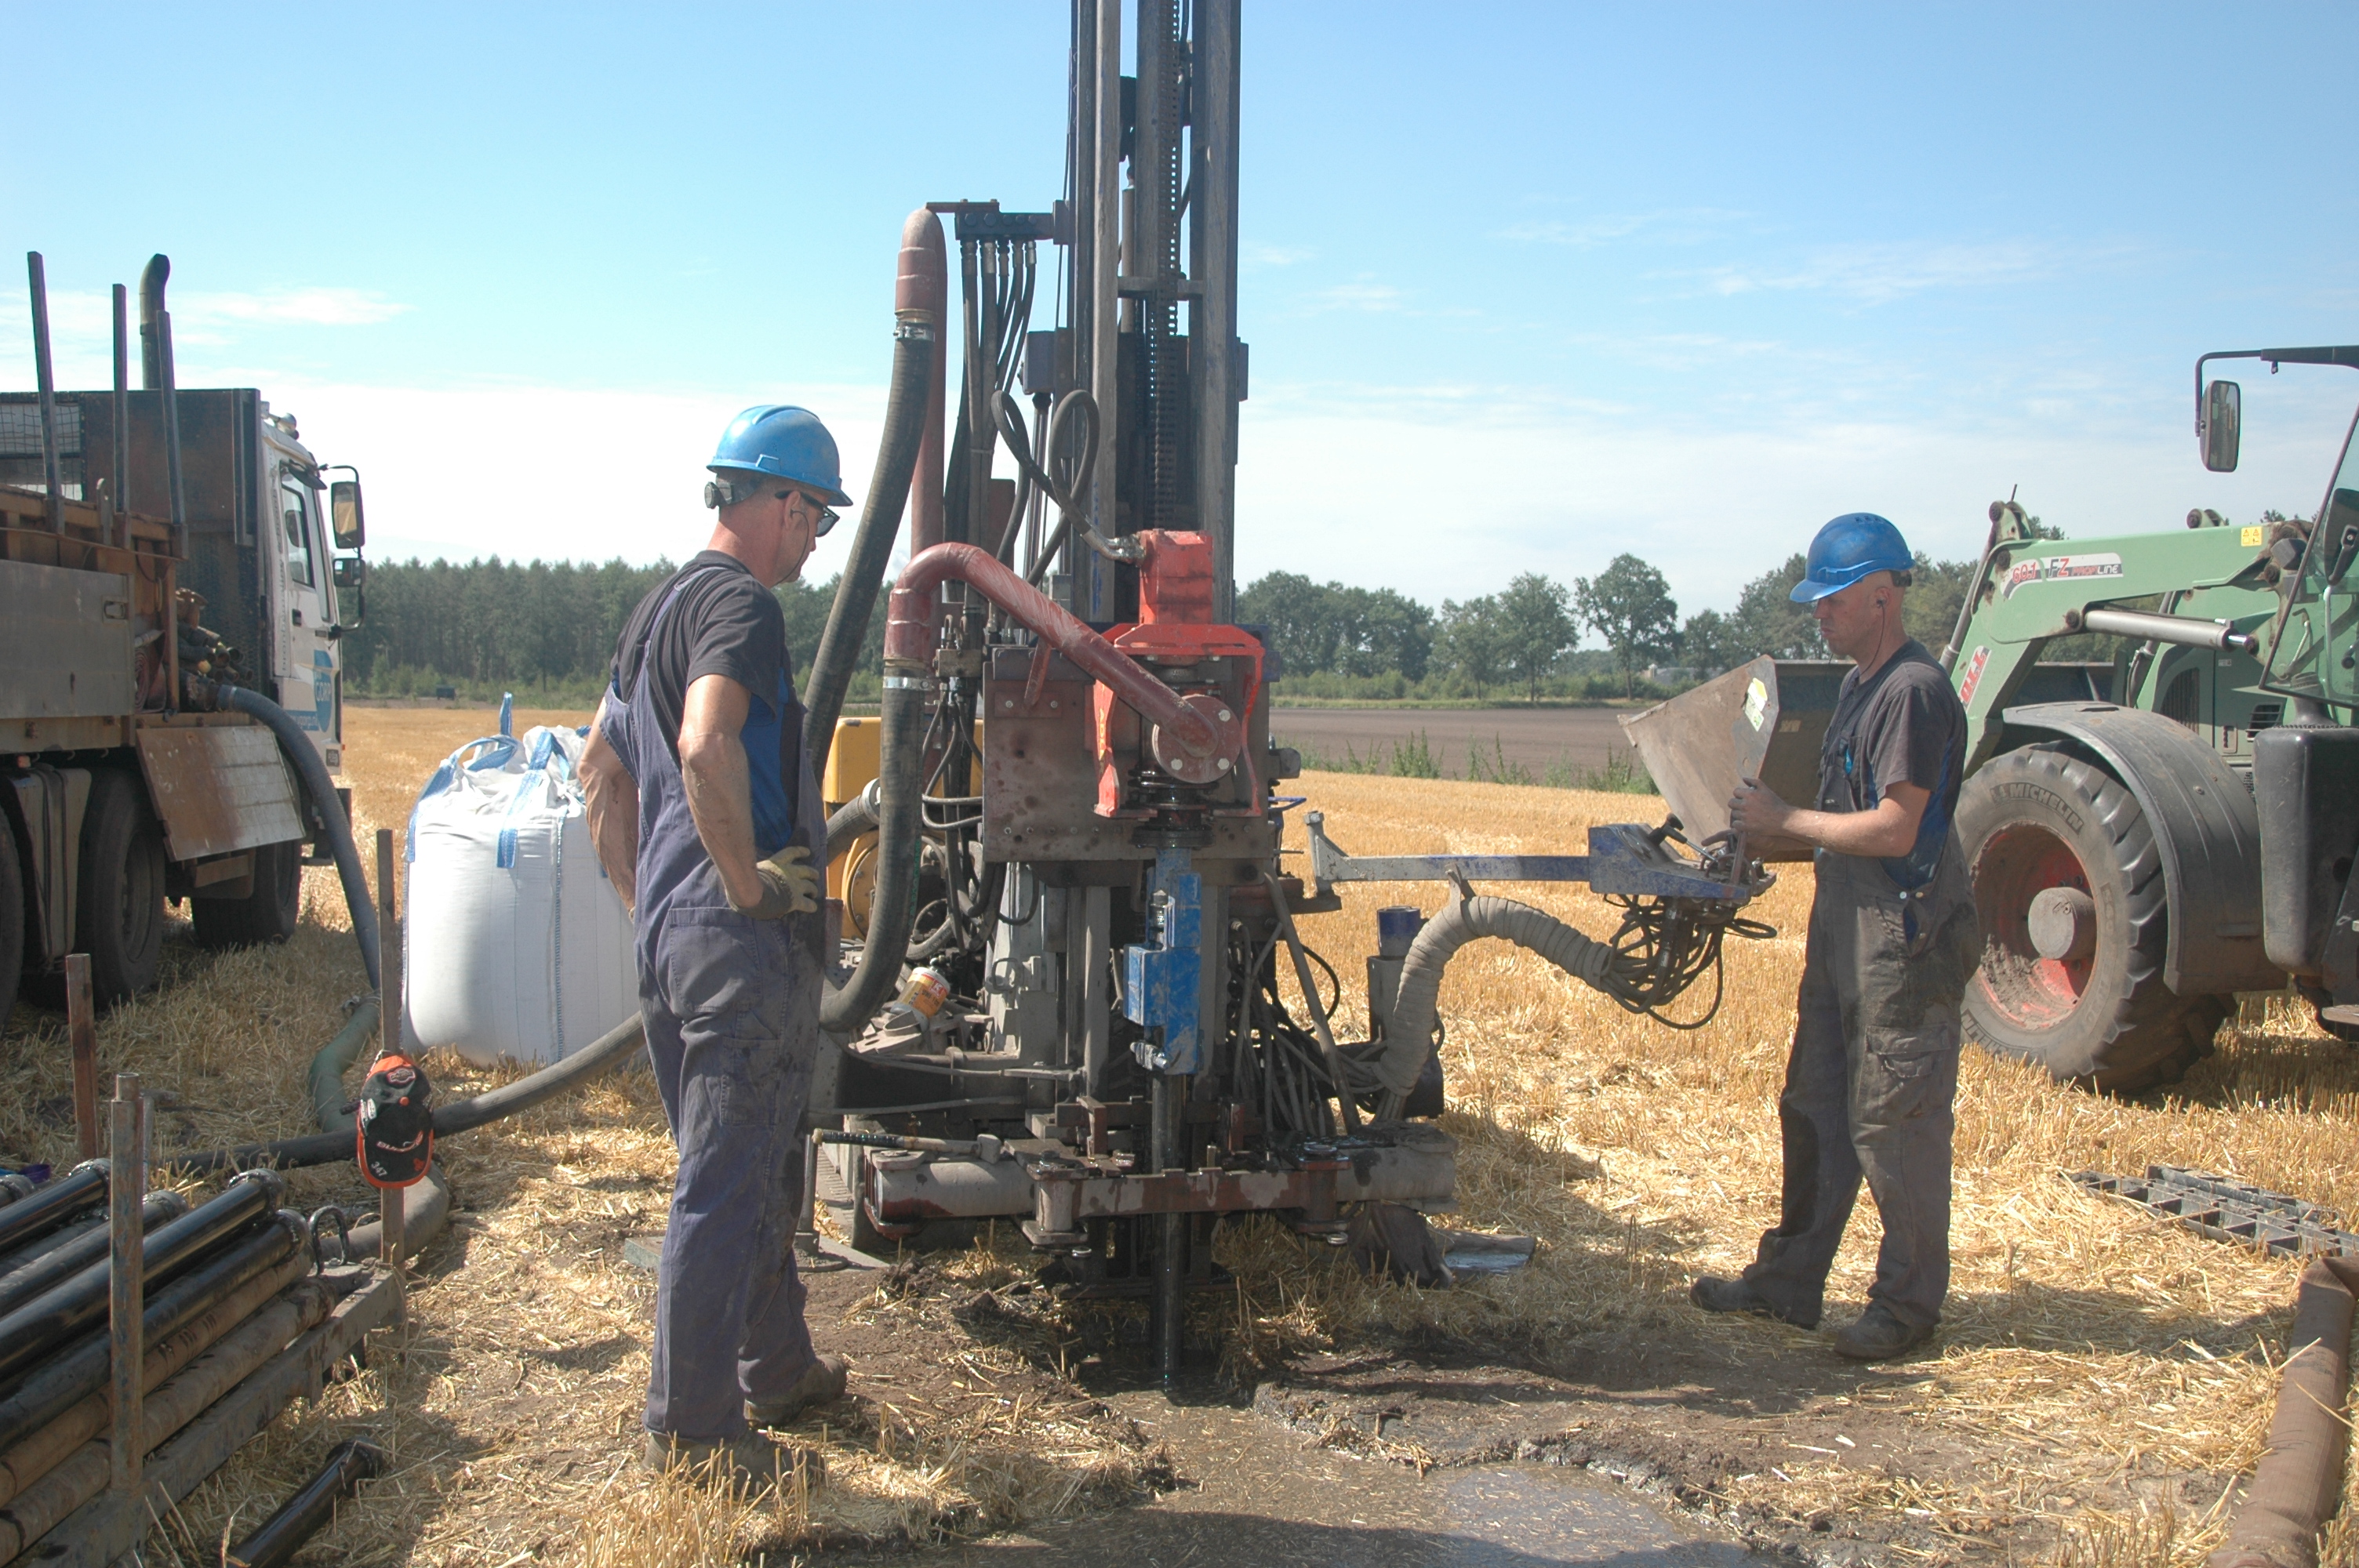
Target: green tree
1535 629
1473 642
1630 608
1708 641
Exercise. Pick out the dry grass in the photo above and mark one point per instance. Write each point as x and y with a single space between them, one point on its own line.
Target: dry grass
2088 1359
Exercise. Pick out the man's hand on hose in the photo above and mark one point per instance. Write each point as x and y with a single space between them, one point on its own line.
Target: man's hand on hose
789 886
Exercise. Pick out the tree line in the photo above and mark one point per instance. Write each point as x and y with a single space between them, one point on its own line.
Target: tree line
542 627
547 627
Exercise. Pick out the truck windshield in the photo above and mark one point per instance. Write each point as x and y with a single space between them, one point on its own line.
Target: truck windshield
295 507
2318 615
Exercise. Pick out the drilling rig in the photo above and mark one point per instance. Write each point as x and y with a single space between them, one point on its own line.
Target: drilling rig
1058 843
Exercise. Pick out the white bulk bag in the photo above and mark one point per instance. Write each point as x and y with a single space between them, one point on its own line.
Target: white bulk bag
514 942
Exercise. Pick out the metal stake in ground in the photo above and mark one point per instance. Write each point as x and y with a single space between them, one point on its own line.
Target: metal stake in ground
82 1027
126 1294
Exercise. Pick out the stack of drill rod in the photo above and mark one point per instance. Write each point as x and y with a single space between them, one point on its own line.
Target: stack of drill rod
224 1286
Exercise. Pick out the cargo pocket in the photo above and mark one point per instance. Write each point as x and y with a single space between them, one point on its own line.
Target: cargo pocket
724 976
1902 1074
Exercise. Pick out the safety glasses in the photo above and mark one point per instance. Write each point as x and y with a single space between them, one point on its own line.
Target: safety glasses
826 513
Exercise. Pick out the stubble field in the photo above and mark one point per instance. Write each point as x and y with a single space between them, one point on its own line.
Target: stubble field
2100 1382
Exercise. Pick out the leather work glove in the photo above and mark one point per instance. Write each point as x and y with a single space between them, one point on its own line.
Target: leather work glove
789 886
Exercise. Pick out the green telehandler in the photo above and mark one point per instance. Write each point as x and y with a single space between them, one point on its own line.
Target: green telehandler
2137 862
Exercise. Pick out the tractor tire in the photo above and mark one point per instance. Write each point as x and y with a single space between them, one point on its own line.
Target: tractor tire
267 915
12 924
2083 997
119 907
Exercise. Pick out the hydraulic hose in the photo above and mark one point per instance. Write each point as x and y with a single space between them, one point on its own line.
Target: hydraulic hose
282 1535
2298 1481
299 753
603 1055
73 1306
335 1059
909 642
915 326
899 820
853 819
1408 1032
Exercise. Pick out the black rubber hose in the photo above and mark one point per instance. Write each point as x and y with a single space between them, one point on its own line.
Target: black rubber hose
28 1218
70 1307
22 1285
853 819
871 547
603 1055
296 748
282 1535
1408 1032
80 1372
894 911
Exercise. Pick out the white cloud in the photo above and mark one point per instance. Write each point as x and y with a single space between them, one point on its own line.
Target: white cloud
1252 254
289 307
1450 494
1362 294
1876 274
555 472
1673 224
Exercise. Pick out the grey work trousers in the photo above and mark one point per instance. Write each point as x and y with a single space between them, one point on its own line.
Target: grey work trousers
731 1010
1869 1087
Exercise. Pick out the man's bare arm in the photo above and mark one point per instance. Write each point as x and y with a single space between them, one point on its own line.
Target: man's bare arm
1888 831
612 799
720 788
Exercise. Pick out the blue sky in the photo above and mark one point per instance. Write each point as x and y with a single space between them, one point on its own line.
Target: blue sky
1526 286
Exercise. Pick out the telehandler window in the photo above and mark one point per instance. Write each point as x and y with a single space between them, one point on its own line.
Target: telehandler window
295 508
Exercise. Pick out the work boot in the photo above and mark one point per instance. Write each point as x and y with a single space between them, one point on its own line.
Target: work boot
1715 1295
822 1383
747 1461
1878 1335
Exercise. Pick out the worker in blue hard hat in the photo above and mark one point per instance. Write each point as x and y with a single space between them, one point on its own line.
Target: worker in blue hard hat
705 814
1874 1066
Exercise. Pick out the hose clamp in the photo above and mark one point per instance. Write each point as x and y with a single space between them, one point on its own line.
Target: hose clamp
913 331
908 682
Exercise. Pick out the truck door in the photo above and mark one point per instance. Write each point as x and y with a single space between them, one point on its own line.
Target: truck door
307 661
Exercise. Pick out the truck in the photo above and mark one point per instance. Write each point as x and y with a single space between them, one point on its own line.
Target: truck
161 550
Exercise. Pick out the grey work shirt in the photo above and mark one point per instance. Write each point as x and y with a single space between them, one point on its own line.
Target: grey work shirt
1901 725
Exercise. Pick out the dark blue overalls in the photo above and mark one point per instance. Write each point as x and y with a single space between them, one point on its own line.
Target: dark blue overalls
731 1010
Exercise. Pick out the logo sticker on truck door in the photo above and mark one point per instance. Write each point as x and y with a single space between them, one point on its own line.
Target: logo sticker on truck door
323 689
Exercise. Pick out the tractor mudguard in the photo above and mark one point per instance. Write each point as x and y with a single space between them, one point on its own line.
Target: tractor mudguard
2205 824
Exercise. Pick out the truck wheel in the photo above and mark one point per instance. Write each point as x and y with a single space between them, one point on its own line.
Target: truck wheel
2069 886
119 908
265 914
12 924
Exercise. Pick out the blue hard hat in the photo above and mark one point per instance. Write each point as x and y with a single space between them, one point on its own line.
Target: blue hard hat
1849 549
779 438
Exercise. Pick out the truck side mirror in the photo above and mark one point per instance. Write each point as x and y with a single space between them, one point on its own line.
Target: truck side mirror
350 571
2223 403
351 532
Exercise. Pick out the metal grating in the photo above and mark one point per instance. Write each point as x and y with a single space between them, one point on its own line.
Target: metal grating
20 430
2230 1211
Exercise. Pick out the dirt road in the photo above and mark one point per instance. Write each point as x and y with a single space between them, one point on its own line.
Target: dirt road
1575 737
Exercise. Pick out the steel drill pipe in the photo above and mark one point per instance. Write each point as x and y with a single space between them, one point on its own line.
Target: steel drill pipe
282 1535
79 1303
910 640
31 1254
178 1401
39 1274
82 1370
27 1219
36 1456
